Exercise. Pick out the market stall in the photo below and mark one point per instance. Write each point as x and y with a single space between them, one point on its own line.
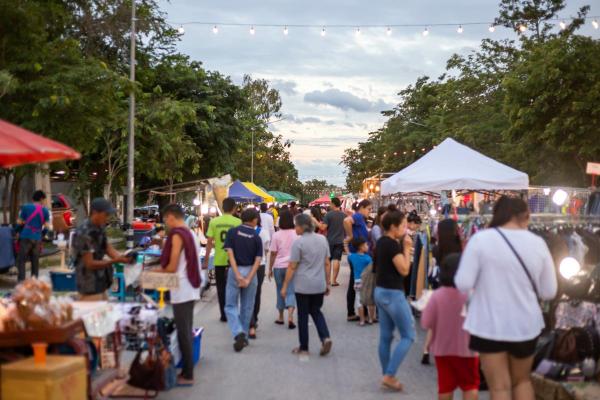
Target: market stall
321 201
282 197
266 197
454 166
241 194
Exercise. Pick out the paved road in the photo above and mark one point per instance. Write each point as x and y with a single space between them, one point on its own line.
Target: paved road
267 370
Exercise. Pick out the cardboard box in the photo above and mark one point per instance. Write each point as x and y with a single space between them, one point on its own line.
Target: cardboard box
61 378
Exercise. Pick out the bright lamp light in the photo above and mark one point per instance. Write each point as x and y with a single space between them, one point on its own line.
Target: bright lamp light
560 197
546 191
196 202
569 267
204 209
433 212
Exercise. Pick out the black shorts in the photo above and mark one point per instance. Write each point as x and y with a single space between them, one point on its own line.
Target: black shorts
515 349
336 251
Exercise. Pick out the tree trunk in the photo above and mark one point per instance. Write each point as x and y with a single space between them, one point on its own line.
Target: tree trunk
14 197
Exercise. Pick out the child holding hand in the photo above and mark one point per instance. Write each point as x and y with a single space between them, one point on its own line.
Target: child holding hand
457 366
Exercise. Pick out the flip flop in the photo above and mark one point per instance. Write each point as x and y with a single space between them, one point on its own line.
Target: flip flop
396 388
291 325
353 318
326 348
299 352
278 322
335 284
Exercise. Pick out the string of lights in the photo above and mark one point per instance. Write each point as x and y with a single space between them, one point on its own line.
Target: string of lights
358 29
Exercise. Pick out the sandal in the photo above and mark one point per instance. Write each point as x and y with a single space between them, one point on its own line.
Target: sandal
326 348
353 318
335 284
291 325
299 352
395 386
279 322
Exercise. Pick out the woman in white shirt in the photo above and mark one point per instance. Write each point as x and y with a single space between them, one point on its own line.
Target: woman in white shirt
504 316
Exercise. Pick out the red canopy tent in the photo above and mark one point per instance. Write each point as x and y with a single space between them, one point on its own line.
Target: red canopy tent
19 146
320 201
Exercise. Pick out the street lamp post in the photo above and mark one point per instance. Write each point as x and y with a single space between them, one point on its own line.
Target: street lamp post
131 135
252 160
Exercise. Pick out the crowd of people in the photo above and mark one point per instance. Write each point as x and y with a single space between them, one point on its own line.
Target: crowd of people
484 314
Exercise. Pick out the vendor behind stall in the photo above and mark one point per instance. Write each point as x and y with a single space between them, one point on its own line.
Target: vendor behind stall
90 246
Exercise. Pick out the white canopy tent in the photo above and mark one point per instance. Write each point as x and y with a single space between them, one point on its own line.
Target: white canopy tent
452 165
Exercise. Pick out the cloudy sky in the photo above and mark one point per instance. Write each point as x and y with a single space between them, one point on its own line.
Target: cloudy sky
335 86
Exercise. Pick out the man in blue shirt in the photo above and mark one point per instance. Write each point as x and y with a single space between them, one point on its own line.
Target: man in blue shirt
34 218
245 250
356 227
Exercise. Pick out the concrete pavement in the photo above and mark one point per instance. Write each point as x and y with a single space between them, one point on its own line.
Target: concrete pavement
267 370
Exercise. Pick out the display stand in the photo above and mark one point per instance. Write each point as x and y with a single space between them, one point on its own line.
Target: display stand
59 335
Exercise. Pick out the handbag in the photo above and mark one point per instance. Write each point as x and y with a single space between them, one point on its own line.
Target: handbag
576 344
148 374
367 279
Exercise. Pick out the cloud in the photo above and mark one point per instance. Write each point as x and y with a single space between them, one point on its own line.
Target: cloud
285 87
300 120
344 100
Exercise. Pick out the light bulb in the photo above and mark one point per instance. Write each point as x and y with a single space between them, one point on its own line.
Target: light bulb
569 267
204 209
388 31
426 32
377 188
285 31
196 202
560 197
433 212
460 29
357 31
595 24
323 32
371 186
522 27
492 28
546 191
181 30
366 191
215 29
252 31
562 25
213 210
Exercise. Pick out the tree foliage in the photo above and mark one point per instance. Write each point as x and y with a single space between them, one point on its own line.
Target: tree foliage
64 73
532 104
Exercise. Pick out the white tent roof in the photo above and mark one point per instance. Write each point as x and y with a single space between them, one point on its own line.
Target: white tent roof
452 165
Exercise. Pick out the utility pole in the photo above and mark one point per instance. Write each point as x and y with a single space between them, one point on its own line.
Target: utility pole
131 147
252 160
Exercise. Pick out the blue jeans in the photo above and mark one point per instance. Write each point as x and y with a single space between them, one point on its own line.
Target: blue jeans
290 298
239 302
394 312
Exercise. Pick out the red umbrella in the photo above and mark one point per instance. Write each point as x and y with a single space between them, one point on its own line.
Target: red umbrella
19 146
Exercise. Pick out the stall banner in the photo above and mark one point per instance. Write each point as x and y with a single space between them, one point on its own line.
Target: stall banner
217 190
593 168
155 280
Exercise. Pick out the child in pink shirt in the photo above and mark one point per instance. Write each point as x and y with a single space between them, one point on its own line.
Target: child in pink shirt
457 366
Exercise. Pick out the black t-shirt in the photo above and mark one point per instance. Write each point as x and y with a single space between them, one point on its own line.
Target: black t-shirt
388 276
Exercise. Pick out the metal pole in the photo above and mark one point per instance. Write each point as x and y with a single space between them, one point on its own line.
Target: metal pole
252 160
131 149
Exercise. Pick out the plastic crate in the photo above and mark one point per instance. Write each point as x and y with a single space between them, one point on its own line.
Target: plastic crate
197 351
63 281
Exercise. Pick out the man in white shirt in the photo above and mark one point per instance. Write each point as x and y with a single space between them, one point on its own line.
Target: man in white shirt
266 220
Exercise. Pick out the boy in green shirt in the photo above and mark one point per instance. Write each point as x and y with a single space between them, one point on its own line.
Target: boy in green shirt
217 230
